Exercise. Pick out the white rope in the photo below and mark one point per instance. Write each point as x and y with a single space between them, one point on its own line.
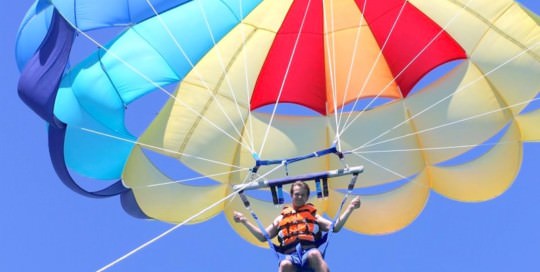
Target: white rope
447 97
448 124
226 173
351 66
233 194
284 78
467 146
227 77
167 232
186 155
332 60
246 81
157 86
458 91
372 69
200 76
348 124
403 177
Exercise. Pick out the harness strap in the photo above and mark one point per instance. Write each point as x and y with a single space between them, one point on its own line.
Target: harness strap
350 188
325 187
321 191
258 221
277 196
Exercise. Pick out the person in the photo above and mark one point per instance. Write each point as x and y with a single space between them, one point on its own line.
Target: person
297 227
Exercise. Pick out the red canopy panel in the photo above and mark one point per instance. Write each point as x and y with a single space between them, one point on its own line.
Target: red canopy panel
415 46
298 72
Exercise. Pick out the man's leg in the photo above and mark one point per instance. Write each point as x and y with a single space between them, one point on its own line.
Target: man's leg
316 261
286 266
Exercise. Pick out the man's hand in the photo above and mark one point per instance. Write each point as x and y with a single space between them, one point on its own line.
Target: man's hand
355 203
239 217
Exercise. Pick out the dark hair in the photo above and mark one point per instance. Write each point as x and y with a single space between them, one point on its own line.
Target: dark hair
300 184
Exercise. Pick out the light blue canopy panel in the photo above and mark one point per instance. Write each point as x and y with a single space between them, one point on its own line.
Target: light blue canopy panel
94 95
85 15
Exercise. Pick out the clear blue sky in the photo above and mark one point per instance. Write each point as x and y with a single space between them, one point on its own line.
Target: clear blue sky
47 227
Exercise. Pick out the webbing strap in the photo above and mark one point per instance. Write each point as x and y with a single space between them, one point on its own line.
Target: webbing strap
321 191
259 223
318 188
275 193
350 188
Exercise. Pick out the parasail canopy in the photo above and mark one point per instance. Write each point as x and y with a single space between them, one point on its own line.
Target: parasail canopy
233 65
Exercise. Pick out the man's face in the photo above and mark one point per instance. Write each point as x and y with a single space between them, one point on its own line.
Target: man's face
299 196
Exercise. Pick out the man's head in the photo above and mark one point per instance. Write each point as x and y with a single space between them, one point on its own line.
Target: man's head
299 193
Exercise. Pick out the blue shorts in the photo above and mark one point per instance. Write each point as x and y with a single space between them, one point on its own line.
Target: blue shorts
297 257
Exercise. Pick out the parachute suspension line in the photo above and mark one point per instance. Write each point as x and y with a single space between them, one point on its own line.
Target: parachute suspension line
462 88
267 131
380 165
499 31
247 205
246 81
229 196
430 148
226 75
351 66
192 179
331 56
167 232
250 179
254 177
199 75
390 170
370 74
350 188
157 86
446 124
158 148
332 61
348 124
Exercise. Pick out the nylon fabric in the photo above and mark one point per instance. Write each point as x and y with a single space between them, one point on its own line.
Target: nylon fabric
460 135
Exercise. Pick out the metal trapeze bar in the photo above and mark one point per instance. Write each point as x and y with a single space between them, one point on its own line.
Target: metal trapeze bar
355 170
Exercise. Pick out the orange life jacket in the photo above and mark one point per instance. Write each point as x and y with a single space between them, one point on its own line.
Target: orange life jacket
298 225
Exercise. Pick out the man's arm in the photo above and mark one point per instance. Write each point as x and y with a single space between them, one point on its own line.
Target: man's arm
355 204
256 231
324 224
